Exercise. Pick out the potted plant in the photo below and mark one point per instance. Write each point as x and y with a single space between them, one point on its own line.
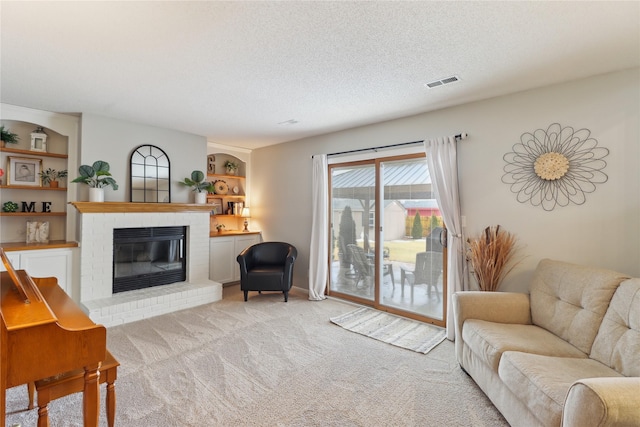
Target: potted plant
199 186
51 176
231 167
97 177
8 137
490 255
219 227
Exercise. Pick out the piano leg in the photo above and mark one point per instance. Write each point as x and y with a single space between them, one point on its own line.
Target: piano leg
91 395
43 416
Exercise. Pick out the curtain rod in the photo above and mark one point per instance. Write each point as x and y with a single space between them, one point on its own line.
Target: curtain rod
459 136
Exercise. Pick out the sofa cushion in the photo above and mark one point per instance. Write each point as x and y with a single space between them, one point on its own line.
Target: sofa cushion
617 344
488 340
542 382
571 300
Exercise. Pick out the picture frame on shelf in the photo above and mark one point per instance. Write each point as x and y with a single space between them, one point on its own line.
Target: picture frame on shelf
216 207
37 231
24 171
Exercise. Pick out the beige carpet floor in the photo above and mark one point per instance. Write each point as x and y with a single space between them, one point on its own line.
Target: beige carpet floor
270 363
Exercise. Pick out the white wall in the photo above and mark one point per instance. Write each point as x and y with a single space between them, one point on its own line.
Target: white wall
603 232
113 141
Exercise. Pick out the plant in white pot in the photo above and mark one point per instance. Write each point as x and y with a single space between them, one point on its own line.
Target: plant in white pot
97 177
199 186
231 167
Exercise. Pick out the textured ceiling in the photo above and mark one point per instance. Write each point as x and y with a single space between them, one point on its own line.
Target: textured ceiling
232 71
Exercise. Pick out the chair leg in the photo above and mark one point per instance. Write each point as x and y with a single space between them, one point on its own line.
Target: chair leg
286 296
246 295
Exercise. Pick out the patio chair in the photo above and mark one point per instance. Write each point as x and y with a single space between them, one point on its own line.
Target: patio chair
364 267
427 271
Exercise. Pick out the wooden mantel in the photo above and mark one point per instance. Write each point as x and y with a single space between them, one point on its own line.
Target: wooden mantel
128 207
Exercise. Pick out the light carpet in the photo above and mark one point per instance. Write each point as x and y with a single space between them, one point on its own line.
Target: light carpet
269 363
392 329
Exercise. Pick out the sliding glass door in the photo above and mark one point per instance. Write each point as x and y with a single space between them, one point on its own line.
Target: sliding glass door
385 237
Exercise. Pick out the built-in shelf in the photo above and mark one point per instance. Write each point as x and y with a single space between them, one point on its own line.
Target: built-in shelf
31 187
52 244
33 213
232 233
33 153
219 176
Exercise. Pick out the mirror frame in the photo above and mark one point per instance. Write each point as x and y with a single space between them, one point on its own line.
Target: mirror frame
145 178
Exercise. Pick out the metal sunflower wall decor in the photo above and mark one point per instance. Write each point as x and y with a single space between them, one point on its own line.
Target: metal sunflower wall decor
555 167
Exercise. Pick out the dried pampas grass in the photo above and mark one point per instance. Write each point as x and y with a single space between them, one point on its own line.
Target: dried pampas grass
490 255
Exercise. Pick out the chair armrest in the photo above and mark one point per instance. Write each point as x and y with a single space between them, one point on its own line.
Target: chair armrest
499 307
603 402
245 260
288 264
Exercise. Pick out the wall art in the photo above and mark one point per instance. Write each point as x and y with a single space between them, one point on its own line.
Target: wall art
24 171
555 166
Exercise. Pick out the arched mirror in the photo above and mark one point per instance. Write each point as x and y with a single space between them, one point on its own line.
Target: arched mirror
150 175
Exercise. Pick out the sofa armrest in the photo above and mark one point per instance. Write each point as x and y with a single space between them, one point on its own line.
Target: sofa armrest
603 402
499 307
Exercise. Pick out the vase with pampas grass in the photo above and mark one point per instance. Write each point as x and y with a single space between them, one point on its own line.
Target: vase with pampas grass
491 257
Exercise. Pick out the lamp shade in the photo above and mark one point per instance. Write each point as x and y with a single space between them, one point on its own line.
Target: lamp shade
245 213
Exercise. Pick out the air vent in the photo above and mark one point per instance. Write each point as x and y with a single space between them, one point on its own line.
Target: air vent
441 82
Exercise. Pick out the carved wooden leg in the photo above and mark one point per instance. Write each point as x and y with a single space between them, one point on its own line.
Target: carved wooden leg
111 403
43 416
91 395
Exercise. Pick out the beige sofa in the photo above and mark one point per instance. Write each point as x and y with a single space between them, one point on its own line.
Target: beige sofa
566 354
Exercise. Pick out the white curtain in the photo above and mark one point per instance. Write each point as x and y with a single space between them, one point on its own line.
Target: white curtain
319 250
443 167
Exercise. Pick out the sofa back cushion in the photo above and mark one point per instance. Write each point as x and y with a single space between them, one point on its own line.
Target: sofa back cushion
570 300
617 343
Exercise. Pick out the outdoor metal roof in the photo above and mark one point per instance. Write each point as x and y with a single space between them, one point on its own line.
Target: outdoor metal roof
402 180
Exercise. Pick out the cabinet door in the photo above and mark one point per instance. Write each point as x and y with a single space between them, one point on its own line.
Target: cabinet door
221 259
49 263
45 263
243 242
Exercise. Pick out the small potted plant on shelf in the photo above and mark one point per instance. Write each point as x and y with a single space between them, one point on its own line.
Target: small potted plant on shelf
51 177
231 167
97 177
219 227
199 186
8 137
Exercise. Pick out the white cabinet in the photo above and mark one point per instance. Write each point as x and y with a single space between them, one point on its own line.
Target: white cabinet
45 263
223 252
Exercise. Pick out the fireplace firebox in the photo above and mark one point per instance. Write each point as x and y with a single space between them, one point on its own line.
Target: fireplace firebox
148 256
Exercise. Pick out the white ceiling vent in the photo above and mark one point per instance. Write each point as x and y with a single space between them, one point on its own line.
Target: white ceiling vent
441 82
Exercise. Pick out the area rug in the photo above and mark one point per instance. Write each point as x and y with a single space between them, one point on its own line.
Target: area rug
395 330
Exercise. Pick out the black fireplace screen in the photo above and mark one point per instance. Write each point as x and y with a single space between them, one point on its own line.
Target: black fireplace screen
149 256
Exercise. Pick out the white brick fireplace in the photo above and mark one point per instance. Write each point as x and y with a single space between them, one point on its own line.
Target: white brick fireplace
98 220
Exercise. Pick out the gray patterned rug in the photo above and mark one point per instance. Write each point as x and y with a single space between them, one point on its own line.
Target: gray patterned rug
392 329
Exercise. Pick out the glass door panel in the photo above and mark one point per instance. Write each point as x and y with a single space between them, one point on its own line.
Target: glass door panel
412 256
352 265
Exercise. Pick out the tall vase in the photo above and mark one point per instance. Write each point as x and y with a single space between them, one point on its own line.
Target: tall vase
201 198
96 194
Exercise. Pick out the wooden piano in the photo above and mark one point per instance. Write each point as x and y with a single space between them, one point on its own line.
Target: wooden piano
44 333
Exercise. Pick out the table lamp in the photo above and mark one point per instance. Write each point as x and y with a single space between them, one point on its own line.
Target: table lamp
245 214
